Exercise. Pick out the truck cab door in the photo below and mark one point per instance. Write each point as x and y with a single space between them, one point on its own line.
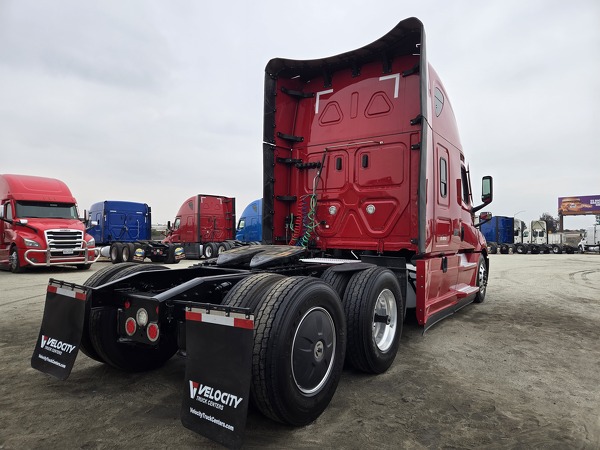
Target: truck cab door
7 235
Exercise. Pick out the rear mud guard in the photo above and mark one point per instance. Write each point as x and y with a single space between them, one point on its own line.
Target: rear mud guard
218 373
62 326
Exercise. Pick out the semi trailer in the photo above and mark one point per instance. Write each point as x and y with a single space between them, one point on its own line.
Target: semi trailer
40 225
123 231
367 211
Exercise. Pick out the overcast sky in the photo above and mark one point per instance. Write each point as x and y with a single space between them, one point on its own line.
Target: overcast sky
155 101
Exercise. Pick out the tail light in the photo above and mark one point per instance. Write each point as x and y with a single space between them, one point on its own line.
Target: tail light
130 326
152 332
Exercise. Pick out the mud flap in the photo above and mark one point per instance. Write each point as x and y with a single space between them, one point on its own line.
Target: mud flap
62 326
218 374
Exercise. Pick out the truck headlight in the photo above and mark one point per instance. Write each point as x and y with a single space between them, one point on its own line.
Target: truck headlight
91 242
30 243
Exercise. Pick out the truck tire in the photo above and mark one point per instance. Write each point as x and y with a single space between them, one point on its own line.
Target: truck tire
535 249
374 310
221 247
338 280
299 346
13 260
116 252
482 280
97 279
504 249
556 249
103 334
126 252
520 249
210 250
170 259
249 292
493 248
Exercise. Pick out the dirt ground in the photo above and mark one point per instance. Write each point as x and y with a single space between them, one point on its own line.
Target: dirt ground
521 370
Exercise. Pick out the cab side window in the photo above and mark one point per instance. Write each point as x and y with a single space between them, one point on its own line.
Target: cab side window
443 178
465 186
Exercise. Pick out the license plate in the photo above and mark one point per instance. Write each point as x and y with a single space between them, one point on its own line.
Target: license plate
68 252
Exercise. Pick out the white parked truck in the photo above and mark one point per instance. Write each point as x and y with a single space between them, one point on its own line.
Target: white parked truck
590 242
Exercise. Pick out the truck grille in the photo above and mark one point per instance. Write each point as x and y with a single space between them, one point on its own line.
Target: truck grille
64 239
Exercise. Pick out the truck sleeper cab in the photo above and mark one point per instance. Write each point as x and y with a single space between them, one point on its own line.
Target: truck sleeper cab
204 226
367 211
39 225
124 230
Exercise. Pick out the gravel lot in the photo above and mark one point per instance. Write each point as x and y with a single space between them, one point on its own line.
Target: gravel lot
521 370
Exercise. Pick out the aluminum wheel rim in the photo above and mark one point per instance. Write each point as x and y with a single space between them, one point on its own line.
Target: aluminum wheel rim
13 258
385 333
313 351
482 279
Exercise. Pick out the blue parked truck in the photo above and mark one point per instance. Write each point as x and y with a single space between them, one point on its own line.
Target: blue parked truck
124 230
249 227
499 233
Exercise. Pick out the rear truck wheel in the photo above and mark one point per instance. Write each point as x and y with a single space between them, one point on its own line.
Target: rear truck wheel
209 250
520 249
504 249
221 247
249 292
556 250
482 280
124 356
535 249
127 251
228 245
338 280
493 248
13 261
171 259
374 316
116 252
97 279
299 346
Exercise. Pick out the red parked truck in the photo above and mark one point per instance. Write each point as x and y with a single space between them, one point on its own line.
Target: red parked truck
39 225
203 225
367 211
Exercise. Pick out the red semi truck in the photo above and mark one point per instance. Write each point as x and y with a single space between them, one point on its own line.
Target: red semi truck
203 225
39 225
367 211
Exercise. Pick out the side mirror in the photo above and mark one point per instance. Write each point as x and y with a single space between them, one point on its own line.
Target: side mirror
2 212
487 189
487 193
483 218
168 224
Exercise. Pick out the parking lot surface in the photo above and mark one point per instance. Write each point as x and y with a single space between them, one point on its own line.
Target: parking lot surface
521 370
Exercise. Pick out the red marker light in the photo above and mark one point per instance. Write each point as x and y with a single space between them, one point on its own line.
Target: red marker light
130 326
152 331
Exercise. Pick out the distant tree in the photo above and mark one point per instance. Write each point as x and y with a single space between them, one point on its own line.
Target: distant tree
551 222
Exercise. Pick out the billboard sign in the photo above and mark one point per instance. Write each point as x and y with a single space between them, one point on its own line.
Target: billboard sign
580 205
